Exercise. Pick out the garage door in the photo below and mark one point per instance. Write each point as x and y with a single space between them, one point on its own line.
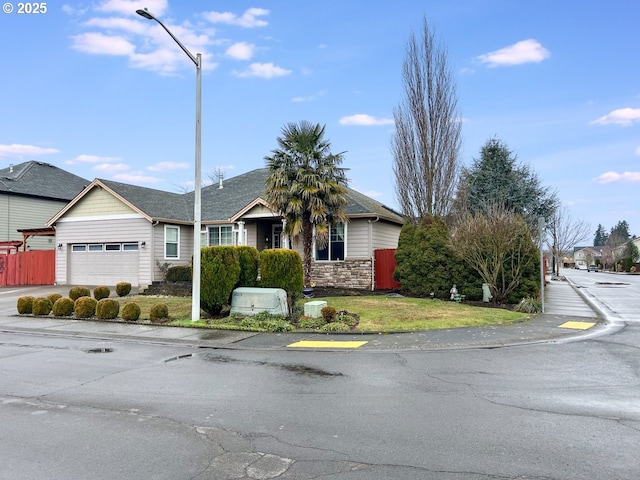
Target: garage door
104 263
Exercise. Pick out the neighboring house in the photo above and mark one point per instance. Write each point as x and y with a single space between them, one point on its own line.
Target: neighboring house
30 194
585 256
115 232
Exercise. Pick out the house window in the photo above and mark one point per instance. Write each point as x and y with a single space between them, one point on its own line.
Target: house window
222 235
78 248
112 247
335 249
171 241
129 247
96 247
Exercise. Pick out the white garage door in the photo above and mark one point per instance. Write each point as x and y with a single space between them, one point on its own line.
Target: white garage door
104 263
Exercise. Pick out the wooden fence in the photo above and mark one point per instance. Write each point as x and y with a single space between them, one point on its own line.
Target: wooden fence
28 268
385 264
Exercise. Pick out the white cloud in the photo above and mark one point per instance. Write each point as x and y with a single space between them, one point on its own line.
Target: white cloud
17 150
135 177
128 7
525 51
248 19
112 167
241 51
168 166
263 70
638 151
615 177
310 98
622 116
97 43
364 119
91 159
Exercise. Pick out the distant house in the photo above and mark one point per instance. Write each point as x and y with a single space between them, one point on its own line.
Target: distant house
585 256
114 232
30 194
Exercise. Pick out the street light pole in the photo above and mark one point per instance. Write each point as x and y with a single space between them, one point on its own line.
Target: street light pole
197 202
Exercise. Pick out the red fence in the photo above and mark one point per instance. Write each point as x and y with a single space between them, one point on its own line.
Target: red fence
28 268
385 264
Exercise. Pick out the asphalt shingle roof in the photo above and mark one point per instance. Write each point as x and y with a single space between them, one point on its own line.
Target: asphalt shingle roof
39 179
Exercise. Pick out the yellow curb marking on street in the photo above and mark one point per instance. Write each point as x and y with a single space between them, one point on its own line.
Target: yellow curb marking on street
325 344
577 325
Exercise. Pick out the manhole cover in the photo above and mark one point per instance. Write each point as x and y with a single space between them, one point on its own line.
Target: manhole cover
100 350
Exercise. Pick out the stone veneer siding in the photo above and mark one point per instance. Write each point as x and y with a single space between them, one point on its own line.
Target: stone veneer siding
345 274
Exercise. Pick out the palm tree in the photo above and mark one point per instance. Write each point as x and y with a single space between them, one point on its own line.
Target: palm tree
306 186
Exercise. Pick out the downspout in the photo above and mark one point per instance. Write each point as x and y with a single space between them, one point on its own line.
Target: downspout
152 254
372 257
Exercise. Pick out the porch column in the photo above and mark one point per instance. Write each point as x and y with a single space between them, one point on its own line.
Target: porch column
285 238
240 233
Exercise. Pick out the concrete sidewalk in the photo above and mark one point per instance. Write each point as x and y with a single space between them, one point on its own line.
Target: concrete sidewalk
567 317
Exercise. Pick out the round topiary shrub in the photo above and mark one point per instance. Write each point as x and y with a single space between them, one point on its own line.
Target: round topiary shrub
159 313
123 289
53 297
328 313
77 292
107 308
84 307
25 304
101 292
131 312
63 307
41 306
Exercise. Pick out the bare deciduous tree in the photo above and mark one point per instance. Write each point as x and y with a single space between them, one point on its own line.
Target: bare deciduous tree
426 144
496 244
565 232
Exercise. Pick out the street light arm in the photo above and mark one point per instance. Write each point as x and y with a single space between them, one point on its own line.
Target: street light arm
150 16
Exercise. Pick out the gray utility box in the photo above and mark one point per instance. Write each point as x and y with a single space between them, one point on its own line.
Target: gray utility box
253 300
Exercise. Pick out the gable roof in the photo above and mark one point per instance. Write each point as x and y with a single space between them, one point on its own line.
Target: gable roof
42 180
218 204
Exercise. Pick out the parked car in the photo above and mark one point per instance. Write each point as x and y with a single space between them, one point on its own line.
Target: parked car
592 268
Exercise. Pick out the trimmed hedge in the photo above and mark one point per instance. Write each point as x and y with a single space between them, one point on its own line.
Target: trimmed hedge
180 273
131 312
101 292
249 259
41 306
53 297
123 289
220 272
107 308
159 312
25 304
84 307
76 292
63 307
282 268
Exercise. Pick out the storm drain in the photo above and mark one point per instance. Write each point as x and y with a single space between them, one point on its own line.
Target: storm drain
99 350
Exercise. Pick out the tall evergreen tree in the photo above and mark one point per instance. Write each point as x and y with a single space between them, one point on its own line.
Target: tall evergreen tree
601 236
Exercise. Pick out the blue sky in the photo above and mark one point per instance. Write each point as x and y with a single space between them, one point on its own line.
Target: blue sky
93 88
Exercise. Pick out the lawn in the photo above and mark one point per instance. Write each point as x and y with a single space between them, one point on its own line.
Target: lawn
377 312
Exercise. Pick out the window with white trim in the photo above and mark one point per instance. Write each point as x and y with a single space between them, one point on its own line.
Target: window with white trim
171 241
335 249
220 235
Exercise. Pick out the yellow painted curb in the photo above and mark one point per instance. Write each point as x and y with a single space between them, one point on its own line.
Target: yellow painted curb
325 344
577 325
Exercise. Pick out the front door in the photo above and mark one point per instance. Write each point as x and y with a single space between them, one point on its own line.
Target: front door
276 236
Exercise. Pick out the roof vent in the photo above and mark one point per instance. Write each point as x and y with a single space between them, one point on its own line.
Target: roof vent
11 168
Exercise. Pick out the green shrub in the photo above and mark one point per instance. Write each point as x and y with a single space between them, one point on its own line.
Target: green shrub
53 297
25 304
425 262
180 273
63 307
335 327
220 271
107 308
41 306
529 305
84 307
101 292
123 289
350 319
249 260
328 313
311 323
131 312
159 313
77 292
282 268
